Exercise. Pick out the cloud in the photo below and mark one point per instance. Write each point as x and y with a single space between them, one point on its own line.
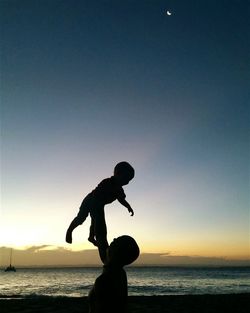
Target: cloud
37 248
166 259
47 255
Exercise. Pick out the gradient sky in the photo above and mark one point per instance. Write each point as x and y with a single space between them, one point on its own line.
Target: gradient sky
86 84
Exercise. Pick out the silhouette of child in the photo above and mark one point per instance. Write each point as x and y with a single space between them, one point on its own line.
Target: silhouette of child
106 192
110 291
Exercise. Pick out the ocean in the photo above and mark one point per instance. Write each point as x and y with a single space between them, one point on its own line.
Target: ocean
142 281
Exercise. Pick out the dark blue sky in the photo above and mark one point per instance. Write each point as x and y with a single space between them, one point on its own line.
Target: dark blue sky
86 84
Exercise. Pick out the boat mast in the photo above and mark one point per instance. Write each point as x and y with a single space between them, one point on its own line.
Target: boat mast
10 257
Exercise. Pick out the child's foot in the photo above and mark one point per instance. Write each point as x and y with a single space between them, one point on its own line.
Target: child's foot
92 240
69 237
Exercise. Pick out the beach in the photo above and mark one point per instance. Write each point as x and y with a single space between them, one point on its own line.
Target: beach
235 303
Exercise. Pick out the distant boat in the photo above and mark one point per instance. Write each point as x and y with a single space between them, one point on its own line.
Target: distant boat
10 268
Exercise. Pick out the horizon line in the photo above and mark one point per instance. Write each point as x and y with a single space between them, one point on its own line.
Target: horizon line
134 265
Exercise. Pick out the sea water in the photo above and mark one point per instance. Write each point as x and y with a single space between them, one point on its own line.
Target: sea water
142 281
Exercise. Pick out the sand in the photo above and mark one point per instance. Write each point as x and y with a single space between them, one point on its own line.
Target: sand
235 303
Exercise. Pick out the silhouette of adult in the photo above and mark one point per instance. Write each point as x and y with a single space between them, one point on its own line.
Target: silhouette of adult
110 291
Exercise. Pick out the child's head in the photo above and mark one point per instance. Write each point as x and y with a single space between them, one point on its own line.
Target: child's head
124 172
123 251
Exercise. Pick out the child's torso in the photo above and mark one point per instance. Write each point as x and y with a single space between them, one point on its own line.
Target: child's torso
108 191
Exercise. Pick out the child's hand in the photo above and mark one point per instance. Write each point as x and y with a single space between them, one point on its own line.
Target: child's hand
131 211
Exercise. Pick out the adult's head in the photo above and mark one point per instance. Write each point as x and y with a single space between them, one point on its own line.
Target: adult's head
123 251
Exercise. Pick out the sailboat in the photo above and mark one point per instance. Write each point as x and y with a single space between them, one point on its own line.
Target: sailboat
10 268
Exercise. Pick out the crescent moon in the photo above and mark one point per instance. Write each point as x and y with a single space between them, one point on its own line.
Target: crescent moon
169 13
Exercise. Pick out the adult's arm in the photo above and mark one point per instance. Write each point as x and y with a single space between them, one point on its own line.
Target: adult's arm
102 249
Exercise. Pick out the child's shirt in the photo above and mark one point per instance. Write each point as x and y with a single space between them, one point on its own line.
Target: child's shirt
108 191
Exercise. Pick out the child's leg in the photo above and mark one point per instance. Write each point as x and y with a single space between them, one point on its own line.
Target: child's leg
78 220
92 232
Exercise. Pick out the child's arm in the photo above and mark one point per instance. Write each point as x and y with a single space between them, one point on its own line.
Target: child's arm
127 205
